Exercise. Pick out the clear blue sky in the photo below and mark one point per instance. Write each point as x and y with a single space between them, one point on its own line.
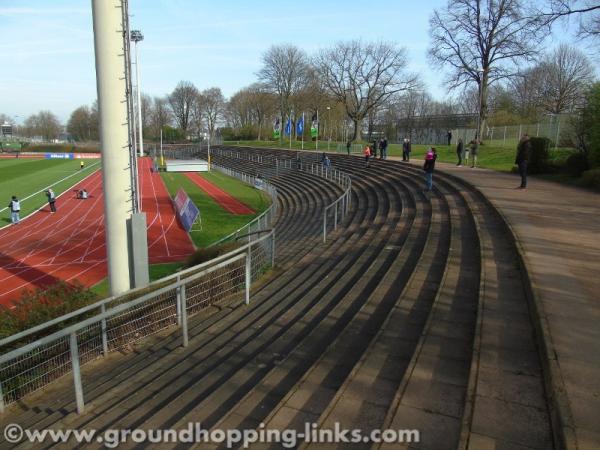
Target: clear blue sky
47 53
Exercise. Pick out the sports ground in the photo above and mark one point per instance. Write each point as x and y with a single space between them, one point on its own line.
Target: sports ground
70 245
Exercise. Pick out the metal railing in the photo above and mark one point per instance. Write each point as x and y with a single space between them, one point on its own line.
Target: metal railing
260 223
333 213
340 207
121 321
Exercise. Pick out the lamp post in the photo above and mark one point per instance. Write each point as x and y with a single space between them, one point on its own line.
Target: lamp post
329 125
478 132
137 36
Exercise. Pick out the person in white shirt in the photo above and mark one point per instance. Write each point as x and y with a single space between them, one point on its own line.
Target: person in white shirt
15 208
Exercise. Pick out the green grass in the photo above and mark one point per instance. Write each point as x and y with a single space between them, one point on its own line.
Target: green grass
156 272
491 156
216 221
23 177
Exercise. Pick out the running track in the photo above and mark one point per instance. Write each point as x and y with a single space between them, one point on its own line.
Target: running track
70 245
231 204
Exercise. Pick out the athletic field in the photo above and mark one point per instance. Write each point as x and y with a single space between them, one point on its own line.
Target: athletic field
29 178
70 245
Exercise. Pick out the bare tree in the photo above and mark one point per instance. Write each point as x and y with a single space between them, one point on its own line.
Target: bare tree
79 125
182 101
566 76
44 124
481 42
160 115
363 76
586 12
284 73
212 104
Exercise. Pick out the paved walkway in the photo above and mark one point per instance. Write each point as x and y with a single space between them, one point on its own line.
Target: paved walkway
558 228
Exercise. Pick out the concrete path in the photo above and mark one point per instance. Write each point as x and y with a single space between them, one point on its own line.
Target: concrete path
558 228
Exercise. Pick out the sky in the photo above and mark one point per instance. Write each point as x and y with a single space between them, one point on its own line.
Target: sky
47 47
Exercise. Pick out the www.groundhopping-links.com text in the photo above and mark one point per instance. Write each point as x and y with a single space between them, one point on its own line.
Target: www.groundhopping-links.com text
193 433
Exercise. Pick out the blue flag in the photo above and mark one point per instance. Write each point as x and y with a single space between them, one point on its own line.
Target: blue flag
300 126
288 127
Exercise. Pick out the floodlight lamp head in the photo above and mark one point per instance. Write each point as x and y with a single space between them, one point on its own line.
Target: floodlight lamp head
136 36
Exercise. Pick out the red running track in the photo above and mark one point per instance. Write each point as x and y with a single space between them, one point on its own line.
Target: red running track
231 204
70 244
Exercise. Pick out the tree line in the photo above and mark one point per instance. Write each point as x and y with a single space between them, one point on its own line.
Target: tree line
490 51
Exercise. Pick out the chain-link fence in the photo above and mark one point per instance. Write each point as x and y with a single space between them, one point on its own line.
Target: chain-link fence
558 129
121 321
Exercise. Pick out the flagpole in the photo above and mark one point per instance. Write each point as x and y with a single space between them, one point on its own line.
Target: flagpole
318 126
302 130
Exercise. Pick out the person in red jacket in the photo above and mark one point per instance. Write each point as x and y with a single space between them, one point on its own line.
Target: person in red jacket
367 153
428 167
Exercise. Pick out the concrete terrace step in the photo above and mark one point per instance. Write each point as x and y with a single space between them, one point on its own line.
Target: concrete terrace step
412 315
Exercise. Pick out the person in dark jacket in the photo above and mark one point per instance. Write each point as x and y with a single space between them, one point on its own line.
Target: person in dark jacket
449 136
374 149
429 166
406 149
383 146
348 145
523 155
460 148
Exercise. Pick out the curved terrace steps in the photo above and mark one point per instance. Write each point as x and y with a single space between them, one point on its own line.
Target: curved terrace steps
296 205
503 386
216 328
383 325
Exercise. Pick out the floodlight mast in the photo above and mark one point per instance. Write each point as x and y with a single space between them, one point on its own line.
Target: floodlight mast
137 36
114 137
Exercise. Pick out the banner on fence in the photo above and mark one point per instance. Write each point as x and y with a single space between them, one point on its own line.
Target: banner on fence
59 156
186 210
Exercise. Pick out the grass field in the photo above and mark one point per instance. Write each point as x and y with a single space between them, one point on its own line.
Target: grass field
155 271
490 156
24 177
216 221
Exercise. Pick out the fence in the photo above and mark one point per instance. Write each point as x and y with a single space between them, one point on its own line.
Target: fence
558 130
118 322
261 223
334 213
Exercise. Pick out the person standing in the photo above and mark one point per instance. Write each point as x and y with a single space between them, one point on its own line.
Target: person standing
474 144
429 166
374 149
51 200
406 149
449 136
367 153
81 165
460 148
384 145
523 155
15 209
348 145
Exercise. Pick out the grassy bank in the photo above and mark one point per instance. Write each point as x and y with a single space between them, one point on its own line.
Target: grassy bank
491 156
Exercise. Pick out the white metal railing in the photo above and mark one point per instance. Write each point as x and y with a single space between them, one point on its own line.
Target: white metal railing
338 209
118 322
260 223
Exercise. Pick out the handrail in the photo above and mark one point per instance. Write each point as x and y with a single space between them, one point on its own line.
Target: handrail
102 303
176 297
270 189
109 313
337 176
